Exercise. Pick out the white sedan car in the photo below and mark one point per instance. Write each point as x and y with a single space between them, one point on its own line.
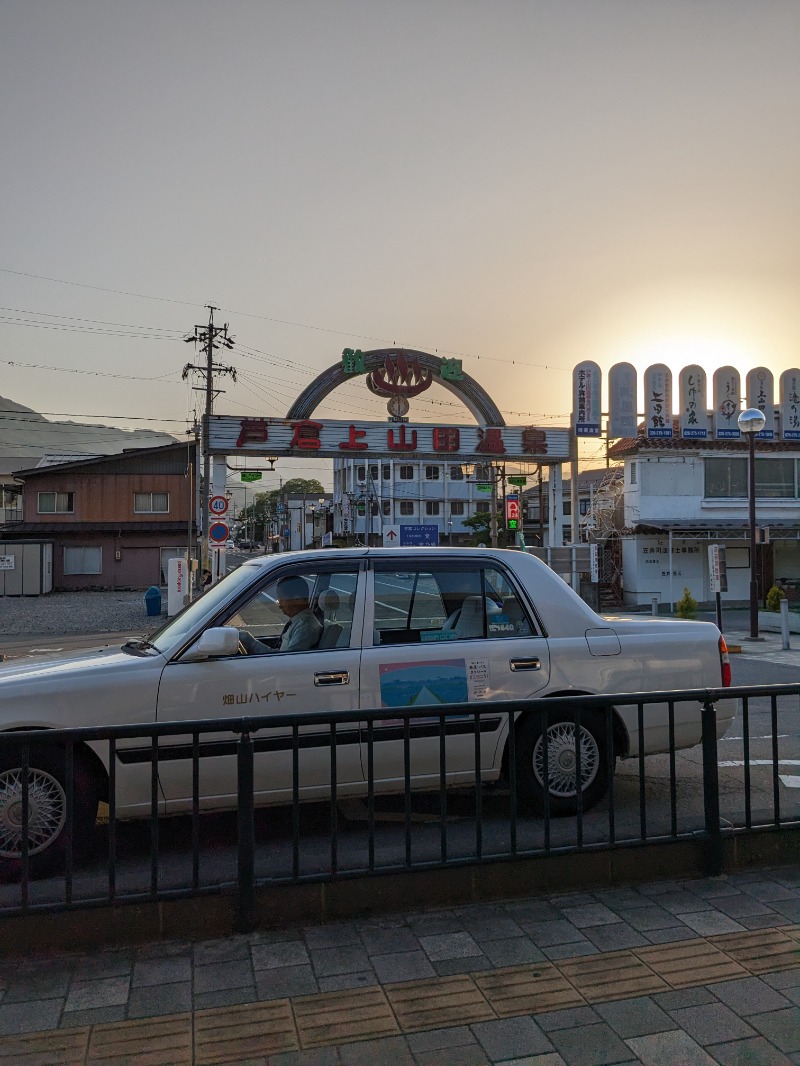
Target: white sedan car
347 630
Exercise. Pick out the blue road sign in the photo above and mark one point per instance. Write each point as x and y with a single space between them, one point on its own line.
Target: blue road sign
419 536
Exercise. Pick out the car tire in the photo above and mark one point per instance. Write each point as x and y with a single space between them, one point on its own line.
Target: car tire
49 830
561 730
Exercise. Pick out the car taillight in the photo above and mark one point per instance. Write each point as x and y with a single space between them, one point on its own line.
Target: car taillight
725 663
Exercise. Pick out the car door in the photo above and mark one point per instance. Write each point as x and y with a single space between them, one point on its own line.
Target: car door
439 633
262 679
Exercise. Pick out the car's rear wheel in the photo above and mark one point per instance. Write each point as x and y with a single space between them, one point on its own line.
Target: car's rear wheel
562 733
50 830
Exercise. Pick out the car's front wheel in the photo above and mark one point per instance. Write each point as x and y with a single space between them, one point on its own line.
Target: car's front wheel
49 830
562 762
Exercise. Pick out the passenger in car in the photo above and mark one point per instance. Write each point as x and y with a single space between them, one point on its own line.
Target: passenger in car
301 632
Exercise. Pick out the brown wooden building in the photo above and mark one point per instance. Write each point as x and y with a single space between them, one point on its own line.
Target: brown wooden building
113 520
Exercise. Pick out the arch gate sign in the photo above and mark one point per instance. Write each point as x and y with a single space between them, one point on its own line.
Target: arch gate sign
397 374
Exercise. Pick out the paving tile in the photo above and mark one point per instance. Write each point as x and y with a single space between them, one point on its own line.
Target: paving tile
669 1049
693 962
648 917
494 927
341 1017
549 934
473 964
684 997
361 979
619 899
511 1038
449 946
566 1019
589 915
321 1056
233 1034
227 949
402 966
161 971
548 1059
616 975
437 1003
154 1041
331 936
164 999
286 981
753 1052
789 908
527 990
682 902
713 1023
349 958
388 941
768 891
95 1016
35 986
535 911
614 937
570 951
59 1047
104 964
784 979
760 951
224 997
748 995
590 1045
710 923
741 906
107 992
215 976
670 935
635 1017
781 1027
276 956
29 1017
434 1039
513 950
472 1055
435 923
389 1051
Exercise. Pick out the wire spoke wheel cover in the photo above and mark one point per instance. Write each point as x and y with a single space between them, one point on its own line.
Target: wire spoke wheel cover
47 811
561 762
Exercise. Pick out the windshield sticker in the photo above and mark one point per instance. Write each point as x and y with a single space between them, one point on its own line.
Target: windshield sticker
478 674
423 684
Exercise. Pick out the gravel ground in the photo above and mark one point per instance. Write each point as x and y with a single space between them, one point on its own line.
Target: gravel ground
77 612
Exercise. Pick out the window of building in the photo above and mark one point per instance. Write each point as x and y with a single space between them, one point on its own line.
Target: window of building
386 470
634 473
775 478
725 478
431 507
482 508
567 508
361 473
457 507
406 473
151 502
83 560
583 506
386 507
456 473
406 507
432 473
373 472
56 503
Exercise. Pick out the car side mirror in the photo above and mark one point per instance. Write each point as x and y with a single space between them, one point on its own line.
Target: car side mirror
215 643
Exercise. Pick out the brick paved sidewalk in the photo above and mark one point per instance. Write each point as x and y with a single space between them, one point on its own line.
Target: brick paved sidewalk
704 972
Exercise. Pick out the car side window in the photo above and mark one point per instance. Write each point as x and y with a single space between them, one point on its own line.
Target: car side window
302 610
506 615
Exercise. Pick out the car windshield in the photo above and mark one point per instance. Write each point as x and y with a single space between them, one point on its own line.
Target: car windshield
199 611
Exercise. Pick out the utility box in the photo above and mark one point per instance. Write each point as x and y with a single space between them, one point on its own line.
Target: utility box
25 569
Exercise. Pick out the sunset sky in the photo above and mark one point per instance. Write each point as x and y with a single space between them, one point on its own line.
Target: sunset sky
524 185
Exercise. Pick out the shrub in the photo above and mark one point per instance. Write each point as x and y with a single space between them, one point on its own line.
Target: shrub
774 597
686 607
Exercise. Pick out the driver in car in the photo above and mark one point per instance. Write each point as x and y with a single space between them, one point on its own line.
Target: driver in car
303 630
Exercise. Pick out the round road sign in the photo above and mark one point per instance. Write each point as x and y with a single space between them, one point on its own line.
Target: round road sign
218 505
218 532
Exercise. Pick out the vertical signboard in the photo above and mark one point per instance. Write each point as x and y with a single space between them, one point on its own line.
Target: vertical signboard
727 391
790 404
761 395
512 512
586 381
622 400
693 400
658 401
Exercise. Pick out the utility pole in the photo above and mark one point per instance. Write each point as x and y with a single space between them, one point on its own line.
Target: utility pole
210 337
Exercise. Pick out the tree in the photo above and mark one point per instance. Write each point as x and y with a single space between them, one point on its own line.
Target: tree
480 524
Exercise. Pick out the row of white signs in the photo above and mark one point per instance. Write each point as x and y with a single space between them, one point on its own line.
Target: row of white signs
693 415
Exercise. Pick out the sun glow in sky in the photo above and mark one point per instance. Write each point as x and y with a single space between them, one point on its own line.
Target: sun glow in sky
523 186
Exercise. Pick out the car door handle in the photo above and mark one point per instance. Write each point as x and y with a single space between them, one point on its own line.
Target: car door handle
525 664
341 678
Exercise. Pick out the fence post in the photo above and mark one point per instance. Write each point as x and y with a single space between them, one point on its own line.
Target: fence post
246 832
713 832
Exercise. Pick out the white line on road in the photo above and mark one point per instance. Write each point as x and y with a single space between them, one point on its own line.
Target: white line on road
761 762
790 782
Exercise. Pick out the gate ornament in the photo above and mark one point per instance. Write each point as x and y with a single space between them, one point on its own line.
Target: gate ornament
400 376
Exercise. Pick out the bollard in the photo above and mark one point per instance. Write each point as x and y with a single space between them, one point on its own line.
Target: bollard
654 602
785 624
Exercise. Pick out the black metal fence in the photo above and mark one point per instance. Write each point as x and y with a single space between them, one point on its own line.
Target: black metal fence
701 792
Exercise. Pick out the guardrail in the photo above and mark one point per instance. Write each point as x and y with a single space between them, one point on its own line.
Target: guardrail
405 829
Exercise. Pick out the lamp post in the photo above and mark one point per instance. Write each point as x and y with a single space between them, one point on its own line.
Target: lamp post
750 422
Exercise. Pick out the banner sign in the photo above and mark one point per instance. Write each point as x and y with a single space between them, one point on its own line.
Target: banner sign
761 395
586 381
658 400
622 400
790 404
329 438
727 392
693 400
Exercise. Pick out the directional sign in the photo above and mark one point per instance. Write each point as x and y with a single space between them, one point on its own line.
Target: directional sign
251 475
218 505
218 532
391 536
419 536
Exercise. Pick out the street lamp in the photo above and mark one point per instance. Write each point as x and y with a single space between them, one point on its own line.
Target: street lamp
750 422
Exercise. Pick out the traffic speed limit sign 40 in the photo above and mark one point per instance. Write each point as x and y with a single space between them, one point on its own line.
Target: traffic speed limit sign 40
218 505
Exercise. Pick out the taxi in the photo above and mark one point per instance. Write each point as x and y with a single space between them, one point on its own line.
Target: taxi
347 630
